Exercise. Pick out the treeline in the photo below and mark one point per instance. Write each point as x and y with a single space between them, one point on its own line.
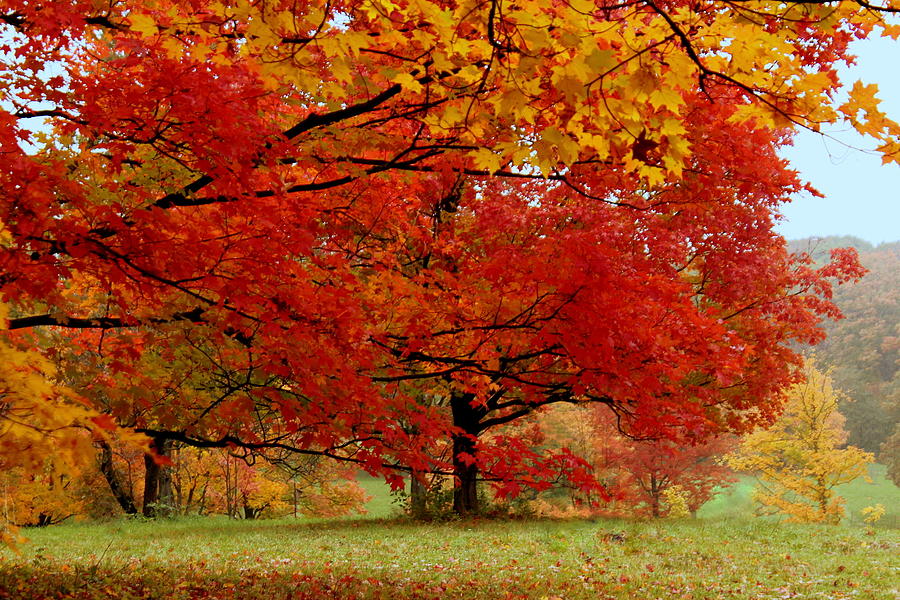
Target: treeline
180 481
863 348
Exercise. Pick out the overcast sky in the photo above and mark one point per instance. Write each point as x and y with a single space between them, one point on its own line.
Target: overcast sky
862 196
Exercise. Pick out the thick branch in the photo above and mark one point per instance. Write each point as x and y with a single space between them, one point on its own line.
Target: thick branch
49 320
312 121
230 441
195 315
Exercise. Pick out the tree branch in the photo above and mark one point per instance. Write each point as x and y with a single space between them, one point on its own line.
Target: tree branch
50 320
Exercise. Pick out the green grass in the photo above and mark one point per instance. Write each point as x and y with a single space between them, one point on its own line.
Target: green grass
382 504
724 554
734 502
217 558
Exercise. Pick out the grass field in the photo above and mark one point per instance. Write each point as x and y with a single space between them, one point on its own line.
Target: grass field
734 502
724 554
217 558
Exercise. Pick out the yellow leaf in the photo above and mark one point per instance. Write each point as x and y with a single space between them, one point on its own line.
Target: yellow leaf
583 6
600 61
408 82
486 160
667 97
143 24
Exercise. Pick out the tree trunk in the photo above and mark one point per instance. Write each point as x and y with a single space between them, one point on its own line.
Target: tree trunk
157 485
231 503
151 486
465 494
122 496
418 495
654 497
465 469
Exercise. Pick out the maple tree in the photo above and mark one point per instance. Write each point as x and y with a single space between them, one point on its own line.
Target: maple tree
656 471
800 460
692 472
285 225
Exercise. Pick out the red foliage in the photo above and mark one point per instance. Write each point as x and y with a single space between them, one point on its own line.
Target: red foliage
272 243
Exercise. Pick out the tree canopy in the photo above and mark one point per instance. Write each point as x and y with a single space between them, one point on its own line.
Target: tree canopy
371 229
800 460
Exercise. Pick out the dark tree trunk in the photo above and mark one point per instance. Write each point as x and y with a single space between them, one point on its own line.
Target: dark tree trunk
465 493
157 484
122 496
465 469
151 486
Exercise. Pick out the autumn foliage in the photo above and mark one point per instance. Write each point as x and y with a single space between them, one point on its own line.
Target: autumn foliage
638 478
378 233
46 436
802 458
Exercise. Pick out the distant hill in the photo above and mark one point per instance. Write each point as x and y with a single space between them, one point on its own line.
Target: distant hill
819 247
864 347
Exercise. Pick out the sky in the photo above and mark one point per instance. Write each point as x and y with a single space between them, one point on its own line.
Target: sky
862 195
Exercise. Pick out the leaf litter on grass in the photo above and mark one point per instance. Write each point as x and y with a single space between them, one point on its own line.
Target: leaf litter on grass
740 560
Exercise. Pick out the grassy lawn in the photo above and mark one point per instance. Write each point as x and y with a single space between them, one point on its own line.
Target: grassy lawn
723 554
381 504
218 558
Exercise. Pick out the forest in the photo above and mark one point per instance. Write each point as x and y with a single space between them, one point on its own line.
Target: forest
265 265
862 348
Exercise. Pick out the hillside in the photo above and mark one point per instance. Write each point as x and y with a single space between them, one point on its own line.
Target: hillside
864 347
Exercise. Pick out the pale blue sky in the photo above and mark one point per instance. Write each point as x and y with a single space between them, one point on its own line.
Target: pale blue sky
862 196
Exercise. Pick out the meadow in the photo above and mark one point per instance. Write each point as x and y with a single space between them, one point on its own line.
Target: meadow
724 553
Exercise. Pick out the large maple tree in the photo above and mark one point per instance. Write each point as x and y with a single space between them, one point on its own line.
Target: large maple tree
355 228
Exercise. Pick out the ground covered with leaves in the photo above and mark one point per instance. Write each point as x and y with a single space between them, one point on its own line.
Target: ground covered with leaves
213 558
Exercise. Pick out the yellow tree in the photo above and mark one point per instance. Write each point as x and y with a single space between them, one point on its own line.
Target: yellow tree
46 436
801 459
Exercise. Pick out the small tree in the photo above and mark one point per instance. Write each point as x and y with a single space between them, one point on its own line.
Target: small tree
674 480
647 478
800 459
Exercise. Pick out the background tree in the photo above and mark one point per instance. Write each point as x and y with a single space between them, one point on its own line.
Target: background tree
890 456
37 499
46 434
637 474
801 459
693 471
